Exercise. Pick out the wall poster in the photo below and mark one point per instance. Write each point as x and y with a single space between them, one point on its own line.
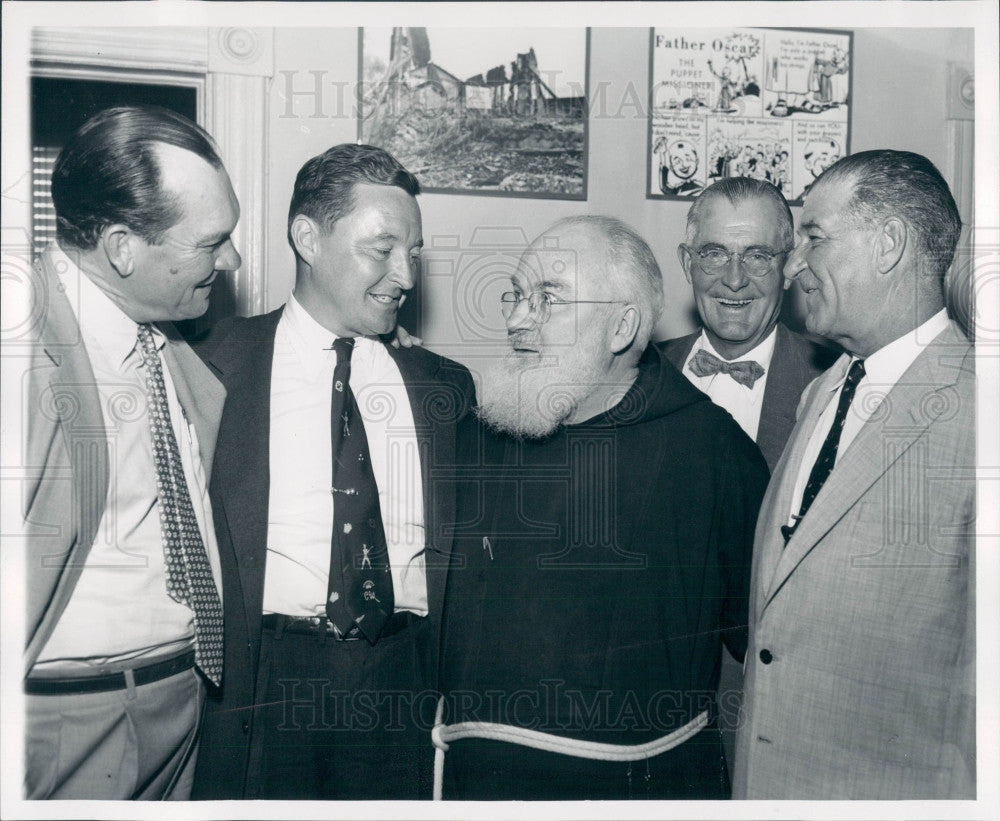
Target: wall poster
773 104
488 111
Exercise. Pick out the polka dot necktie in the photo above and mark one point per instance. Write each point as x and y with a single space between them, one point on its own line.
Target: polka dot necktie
359 592
189 575
828 453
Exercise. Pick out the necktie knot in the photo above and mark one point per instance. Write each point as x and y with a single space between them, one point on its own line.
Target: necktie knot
745 371
147 344
343 347
854 375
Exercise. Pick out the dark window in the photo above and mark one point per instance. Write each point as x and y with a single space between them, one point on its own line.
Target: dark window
60 106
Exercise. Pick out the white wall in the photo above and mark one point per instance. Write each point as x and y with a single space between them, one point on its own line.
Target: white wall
899 102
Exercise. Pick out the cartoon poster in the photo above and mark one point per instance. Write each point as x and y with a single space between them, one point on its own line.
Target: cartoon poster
773 104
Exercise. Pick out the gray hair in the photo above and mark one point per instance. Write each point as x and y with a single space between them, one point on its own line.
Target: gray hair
631 267
740 190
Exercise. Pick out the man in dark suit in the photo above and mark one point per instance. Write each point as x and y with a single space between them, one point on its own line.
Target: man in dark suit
738 233
329 524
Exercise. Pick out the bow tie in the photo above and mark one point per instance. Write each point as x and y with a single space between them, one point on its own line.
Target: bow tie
745 372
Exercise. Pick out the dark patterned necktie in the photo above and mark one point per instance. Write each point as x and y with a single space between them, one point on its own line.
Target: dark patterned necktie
189 575
828 453
745 372
360 583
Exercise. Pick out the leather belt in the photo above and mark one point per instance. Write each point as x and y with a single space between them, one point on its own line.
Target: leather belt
321 625
109 681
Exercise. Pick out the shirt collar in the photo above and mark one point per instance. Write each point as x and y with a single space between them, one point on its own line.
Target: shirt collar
314 343
884 367
100 319
887 365
761 354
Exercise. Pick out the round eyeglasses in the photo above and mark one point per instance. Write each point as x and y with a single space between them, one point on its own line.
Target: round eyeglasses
540 303
757 261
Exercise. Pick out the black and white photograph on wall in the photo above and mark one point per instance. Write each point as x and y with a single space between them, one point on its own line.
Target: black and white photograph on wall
479 111
770 104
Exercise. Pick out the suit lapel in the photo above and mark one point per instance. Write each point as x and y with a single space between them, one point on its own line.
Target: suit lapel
778 500
787 375
200 394
677 350
436 445
63 404
241 481
908 410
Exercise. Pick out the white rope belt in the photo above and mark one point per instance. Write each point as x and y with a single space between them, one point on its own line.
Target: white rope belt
443 733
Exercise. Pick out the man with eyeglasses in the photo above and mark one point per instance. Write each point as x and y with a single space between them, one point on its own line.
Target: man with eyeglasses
738 234
604 517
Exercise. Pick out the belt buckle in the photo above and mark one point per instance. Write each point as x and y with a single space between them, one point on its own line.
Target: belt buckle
314 625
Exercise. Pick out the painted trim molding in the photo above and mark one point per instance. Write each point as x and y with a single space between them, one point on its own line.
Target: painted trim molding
231 68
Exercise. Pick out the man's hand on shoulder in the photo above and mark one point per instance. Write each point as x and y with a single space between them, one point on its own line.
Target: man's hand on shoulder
404 339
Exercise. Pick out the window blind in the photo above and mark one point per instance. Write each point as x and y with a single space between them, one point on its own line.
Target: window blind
43 214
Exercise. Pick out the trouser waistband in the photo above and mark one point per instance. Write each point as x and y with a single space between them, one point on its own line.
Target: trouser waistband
321 625
106 682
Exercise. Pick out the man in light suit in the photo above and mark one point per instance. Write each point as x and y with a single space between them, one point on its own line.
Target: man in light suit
860 673
312 708
738 234
117 663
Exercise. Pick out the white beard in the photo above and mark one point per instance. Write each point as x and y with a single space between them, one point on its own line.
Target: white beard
530 396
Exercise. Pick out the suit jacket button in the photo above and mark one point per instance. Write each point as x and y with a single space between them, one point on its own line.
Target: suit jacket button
765 656
246 726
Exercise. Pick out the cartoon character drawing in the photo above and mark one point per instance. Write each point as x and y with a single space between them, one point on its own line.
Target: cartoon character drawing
825 66
728 88
777 174
678 165
819 156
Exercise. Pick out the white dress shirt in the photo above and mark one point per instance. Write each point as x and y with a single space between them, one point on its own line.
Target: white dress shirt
883 370
300 505
743 403
120 608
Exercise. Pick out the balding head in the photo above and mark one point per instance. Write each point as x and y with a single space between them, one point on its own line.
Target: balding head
582 305
619 261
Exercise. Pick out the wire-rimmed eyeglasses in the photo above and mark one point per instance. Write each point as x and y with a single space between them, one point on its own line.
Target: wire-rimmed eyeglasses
540 303
756 261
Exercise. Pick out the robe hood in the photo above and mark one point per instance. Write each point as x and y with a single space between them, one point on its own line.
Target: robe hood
659 390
